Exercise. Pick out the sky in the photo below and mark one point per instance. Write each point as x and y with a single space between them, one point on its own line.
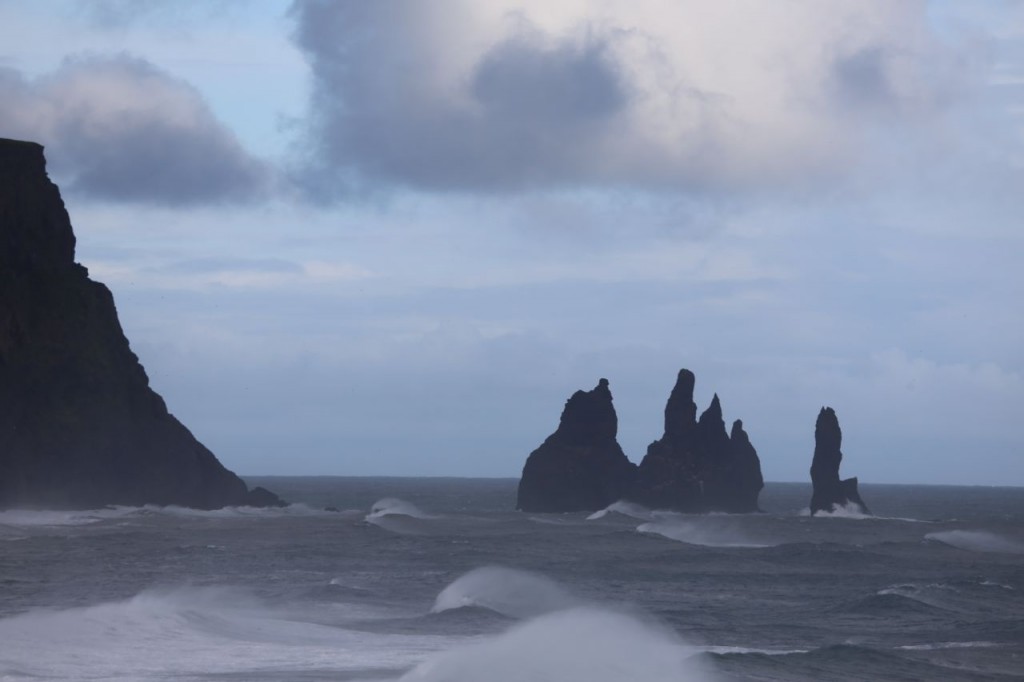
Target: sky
392 238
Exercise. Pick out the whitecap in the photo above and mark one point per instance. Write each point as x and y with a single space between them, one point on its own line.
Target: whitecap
580 644
697 533
623 507
508 591
749 650
977 541
392 506
44 517
224 632
948 645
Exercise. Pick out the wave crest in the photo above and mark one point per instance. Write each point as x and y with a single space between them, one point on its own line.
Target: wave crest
576 644
625 508
508 591
977 541
694 533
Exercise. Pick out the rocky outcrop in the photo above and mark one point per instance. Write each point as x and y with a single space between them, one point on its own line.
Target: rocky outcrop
829 491
697 466
580 467
79 425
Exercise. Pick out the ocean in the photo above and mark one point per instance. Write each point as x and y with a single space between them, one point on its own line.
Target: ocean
440 580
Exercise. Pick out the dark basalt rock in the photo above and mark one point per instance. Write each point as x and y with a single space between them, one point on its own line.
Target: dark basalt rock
696 466
580 467
79 425
829 491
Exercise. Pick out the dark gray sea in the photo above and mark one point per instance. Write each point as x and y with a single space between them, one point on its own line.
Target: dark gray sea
439 580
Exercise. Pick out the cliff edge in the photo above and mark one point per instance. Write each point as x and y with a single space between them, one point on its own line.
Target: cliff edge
79 425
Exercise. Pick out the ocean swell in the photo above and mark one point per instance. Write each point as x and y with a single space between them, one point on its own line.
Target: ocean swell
508 591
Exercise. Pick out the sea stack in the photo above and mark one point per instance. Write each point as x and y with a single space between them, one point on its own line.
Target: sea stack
79 425
697 466
829 491
580 467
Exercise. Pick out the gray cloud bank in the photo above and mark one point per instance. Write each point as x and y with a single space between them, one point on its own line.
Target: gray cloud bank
503 96
120 129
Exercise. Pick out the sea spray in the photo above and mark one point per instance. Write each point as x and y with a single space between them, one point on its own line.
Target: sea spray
392 506
222 632
977 541
582 644
625 508
703 532
399 516
508 591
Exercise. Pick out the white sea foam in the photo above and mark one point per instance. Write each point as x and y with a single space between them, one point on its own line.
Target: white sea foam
748 650
392 506
31 517
625 508
581 644
190 632
700 533
840 511
977 541
398 516
298 509
948 645
508 591
42 518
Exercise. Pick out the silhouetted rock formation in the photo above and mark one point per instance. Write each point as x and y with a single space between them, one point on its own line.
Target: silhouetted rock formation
696 466
580 467
79 425
829 491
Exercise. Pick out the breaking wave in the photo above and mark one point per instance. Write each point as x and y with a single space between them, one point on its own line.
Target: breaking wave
948 645
695 533
977 541
31 517
508 591
399 516
185 632
625 508
392 506
845 511
43 518
580 644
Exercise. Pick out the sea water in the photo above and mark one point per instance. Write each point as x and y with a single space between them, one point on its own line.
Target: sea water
440 580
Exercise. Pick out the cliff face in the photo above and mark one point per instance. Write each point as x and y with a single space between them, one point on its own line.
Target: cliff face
580 467
697 466
79 425
829 491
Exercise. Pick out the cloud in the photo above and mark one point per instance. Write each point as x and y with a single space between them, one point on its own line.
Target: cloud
677 95
120 129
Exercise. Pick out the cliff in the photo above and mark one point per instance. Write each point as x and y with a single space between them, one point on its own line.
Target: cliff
829 491
580 467
79 425
696 466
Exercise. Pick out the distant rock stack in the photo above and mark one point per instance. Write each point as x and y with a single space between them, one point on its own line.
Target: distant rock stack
829 491
79 425
696 466
580 467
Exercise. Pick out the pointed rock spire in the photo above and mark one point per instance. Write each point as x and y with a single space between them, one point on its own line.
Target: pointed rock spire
695 466
829 490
